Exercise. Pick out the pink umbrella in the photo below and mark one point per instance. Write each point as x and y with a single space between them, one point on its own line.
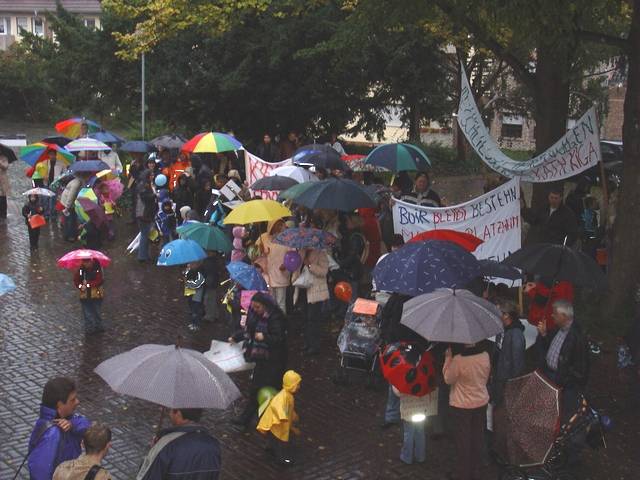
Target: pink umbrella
73 259
115 189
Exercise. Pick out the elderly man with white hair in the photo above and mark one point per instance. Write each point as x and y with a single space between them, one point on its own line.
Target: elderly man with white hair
565 355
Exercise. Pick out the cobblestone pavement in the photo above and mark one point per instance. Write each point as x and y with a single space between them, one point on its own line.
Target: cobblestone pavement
42 337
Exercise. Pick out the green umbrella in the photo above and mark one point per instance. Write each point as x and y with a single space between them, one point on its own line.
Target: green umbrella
292 192
398 157
207 236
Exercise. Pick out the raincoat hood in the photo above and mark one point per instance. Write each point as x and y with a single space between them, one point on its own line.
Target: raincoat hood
290 381
272 224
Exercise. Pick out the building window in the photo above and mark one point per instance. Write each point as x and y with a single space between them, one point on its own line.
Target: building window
5 26
38 26
510 130
90 23
23 24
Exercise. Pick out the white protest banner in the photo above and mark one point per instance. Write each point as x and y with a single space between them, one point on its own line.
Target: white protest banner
256 168
576 151
493 217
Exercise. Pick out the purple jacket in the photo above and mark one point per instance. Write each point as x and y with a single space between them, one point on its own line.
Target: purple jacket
49 446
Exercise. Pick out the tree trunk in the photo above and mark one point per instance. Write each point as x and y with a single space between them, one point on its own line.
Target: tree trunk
552 105
414 122
624 273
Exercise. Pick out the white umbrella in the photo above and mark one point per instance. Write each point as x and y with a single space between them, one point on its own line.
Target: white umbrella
40 191
87 144
455 316
299 174
170 376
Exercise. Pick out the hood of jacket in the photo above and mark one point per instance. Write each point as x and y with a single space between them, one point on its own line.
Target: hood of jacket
272 224
290 381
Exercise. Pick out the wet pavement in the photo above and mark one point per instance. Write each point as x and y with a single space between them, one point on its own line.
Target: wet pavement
42 337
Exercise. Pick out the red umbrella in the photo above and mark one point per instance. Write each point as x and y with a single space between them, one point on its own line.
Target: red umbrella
73 259
408 368
465 240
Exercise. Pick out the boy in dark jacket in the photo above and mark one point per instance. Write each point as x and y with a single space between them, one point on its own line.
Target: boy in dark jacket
167 222
182 194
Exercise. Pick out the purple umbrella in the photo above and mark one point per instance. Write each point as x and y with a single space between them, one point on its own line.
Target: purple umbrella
94 210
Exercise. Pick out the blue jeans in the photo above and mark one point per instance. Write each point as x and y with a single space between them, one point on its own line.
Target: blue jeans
414 442
91 315
143 248
392 410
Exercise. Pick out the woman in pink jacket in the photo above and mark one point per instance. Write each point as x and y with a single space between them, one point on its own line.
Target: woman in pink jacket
467 372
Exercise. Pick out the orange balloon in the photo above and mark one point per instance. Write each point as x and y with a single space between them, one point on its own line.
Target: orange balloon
343 291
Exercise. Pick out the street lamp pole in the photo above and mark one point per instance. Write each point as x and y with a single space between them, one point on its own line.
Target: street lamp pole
143 102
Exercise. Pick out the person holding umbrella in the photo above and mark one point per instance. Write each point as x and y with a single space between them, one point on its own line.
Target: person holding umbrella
266 326
31 211
145 209
88 280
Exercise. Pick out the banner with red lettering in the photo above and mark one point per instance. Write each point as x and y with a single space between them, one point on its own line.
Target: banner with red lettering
493 217
256 168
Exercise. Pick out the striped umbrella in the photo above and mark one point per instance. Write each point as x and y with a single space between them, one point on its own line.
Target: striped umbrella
87 145
211 142
71 126
39 152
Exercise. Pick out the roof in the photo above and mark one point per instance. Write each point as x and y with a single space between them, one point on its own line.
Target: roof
74 6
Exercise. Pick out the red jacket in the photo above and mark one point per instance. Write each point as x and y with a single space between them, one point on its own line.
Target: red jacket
371 231
540 306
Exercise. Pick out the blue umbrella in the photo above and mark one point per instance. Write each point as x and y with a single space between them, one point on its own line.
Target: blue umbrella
301 237
180 252
137 146
247 276
6 284
421 267
107 137
88 166
336 194
322 156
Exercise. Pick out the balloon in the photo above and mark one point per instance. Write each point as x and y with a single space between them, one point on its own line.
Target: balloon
237 255
237 243
265 394
292 261
161 180
343 291
238 232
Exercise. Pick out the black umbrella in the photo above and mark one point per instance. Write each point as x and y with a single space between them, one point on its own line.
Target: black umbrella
137 146
276 182
88 166
336 194
322 156
8 152
57 139
169 141
559 263
491 268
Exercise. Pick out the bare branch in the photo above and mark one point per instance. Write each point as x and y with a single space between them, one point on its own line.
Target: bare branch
604 39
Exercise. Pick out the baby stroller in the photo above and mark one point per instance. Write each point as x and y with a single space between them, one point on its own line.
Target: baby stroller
586 424
359 342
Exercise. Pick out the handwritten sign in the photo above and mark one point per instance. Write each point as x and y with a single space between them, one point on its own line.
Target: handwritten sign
256 168
493 217
576 151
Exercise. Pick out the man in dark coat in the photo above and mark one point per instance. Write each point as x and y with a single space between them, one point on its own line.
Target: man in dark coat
185 450
553 223
267 151
564 355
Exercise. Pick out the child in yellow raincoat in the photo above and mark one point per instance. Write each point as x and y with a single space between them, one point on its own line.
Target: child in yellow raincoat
279 416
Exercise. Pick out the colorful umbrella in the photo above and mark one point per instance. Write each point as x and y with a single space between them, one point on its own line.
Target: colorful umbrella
305 238
320 156
169 141
73 259
6 284
71 126
107 137
409 368
531 427
336 194
94 210
299 174
273 183
137 146
45 192
398 157
211 142
59 140
452 316
421 267
180 252
465 240
357 163
560 263
39 152
207 236
246 275
87 145
106 175
89 195
257 211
